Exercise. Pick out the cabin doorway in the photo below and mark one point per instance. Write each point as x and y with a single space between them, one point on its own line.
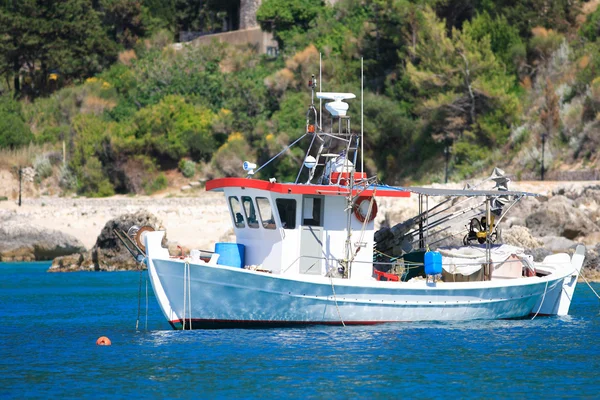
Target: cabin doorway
311 236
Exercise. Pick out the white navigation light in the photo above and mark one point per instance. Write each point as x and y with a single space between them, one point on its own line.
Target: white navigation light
310 162
250 167
337 107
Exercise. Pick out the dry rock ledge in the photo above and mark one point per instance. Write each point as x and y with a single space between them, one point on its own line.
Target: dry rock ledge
25 242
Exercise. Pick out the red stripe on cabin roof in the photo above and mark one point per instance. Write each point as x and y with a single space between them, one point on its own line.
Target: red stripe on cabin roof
293 188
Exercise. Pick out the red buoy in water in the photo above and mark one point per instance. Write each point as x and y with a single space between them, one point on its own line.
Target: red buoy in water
103 341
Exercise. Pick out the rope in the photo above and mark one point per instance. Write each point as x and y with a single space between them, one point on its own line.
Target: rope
137 321
336 303
364 224
146 304
187 293
541 302
590 286
184 293
281 152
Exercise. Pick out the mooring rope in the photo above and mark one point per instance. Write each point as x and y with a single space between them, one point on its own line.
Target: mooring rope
590 286
146 305
137 321
541 302
185 267
187 293
336 303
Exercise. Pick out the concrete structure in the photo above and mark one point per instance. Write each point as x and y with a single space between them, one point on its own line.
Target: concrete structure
248 9
263 41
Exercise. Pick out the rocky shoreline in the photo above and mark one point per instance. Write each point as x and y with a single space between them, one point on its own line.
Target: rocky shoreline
75 231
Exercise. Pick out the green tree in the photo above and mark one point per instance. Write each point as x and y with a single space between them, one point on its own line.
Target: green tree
40 37
505 41
591 28
126 21
285 18
465 89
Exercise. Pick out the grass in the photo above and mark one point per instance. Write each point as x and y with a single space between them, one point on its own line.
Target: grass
23 156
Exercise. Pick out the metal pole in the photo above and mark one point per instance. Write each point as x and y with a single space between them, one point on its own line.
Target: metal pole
543 147
362 139
426 220
421 242
320 90
20 184
488 253
447 151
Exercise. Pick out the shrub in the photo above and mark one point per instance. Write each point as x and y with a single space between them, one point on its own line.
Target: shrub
156 184
187 168
172 129
591 28
43 167
13 130
67 179
93 180
229 158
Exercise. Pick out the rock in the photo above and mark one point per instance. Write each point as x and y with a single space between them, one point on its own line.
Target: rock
557 244
519 236
592 239
591 265
20 241
74 262
108 254
559 217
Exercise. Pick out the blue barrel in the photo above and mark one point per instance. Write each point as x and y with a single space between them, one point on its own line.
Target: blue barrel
231 254
433 263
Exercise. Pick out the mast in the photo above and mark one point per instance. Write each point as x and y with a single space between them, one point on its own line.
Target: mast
320 90
362 117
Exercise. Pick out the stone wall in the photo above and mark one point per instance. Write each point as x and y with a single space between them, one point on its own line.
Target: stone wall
254 36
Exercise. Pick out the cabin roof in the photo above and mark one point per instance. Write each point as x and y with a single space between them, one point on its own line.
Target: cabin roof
295 188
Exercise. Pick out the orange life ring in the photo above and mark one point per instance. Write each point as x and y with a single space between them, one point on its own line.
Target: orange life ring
358 208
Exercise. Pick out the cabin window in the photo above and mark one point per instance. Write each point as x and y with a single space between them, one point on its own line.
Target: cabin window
236 210
287 212
266 212
250 212
312 211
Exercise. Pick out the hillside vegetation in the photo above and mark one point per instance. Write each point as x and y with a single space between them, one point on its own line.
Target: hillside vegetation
479 81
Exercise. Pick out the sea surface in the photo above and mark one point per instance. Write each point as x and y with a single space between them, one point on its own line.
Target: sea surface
50 323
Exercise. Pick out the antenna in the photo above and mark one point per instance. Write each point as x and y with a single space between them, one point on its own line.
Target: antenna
362 97
320 90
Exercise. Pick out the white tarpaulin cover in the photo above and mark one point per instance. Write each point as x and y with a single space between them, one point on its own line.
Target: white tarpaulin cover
467 261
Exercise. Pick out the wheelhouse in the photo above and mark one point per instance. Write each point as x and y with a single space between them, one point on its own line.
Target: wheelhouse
299 229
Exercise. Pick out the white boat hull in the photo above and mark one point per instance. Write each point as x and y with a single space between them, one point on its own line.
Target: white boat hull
199 295
225 296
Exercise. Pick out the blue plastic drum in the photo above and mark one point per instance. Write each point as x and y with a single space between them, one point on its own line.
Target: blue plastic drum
231 254
433 263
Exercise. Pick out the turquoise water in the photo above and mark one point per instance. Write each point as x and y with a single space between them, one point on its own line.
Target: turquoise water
50 323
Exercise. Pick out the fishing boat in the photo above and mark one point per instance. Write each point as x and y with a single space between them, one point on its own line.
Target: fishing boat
306 252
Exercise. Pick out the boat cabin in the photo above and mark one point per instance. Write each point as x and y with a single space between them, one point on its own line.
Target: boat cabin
290 229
